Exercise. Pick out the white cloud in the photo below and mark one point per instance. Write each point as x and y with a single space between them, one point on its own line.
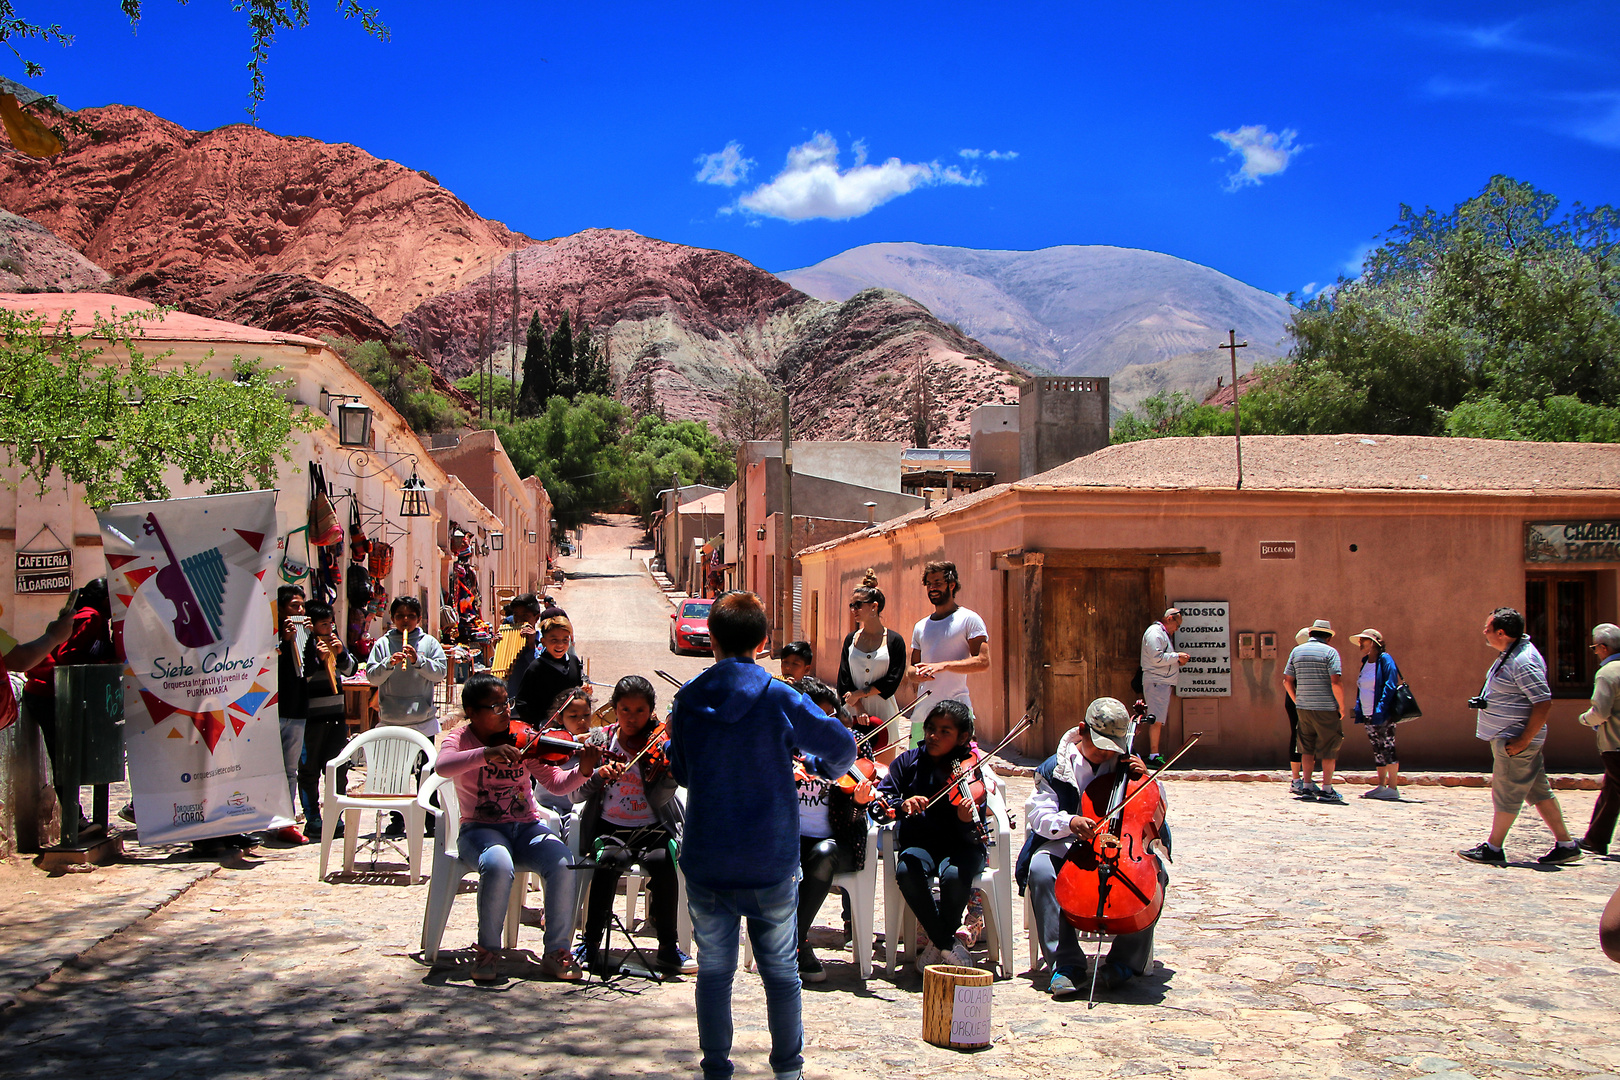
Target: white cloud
811 185
1265 153
1600 122
1357 261
1500 39
993 155
727 167
971 154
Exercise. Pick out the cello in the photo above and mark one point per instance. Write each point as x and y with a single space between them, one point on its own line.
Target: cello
1110 884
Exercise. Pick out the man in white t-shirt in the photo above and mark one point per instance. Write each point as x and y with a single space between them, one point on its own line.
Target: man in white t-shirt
950 644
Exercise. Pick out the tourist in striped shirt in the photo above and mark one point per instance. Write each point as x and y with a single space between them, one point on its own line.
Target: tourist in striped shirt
1313 679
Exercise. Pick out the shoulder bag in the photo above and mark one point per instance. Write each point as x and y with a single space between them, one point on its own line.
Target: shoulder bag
1406 706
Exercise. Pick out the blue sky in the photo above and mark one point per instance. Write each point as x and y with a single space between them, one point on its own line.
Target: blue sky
1270 141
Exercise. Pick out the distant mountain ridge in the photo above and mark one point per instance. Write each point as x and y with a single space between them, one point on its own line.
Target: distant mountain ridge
1148 320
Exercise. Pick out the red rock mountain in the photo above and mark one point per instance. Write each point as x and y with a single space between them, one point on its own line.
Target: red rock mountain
144 198
693 322
300 235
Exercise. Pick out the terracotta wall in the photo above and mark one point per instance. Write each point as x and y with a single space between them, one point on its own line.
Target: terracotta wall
1426 571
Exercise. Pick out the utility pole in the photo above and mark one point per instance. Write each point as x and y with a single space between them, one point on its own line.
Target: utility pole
489 336
1232 346
513 402
784 539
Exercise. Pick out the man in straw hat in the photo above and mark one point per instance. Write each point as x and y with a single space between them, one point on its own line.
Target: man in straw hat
1313 680
1096 747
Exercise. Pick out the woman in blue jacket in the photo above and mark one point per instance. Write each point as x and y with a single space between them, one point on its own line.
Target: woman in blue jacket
1375 707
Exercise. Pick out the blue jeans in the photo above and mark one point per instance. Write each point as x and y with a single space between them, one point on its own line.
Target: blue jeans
497 851
772 915
914 871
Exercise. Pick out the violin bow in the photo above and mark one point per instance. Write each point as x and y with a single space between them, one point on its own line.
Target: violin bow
1156 774
870 735
1018 729
667 677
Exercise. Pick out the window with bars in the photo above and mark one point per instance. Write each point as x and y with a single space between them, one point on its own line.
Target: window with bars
1558 614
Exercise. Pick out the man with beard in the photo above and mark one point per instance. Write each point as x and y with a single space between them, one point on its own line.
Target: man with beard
948 645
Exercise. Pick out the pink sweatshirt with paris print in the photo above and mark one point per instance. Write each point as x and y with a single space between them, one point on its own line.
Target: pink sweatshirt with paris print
497 793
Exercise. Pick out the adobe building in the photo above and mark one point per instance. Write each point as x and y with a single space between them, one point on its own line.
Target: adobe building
1418 537
366 480
1060 419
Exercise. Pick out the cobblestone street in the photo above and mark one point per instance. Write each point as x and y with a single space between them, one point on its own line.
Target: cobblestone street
1299 939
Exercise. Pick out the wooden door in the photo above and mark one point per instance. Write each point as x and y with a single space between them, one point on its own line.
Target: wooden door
1092 624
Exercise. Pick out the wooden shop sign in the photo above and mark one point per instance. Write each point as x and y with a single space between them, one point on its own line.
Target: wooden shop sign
1278 549
1572 541
44 572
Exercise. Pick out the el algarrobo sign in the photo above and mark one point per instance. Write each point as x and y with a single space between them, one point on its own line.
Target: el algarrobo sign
193 619
1206 637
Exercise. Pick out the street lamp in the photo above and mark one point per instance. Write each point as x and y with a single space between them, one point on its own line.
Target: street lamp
414 499
497 541
354 424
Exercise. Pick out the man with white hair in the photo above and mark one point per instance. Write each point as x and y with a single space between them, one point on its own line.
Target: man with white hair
1604 720
1160 664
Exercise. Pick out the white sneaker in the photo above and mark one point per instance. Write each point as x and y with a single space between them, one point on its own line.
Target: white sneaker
1373 793
960 956
1386 794
929 955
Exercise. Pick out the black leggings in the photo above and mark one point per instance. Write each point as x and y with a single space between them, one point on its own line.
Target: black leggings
1293 729
819 859
649 846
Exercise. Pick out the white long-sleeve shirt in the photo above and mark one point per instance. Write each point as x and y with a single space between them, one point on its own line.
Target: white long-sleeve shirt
1160 661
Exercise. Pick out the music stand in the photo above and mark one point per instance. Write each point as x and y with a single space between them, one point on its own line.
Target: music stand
647 970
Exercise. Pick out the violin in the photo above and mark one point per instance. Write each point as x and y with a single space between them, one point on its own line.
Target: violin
970 793
549 747
961 781
1110 884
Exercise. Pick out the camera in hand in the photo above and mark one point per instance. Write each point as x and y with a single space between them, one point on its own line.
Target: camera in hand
1478 701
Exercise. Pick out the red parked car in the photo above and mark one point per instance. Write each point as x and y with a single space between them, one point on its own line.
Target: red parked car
689 627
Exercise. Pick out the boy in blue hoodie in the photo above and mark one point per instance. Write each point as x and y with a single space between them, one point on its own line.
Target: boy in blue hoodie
733 733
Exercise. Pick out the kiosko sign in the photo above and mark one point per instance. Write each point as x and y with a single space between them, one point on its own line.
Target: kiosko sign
44 572
193 622
1571 541
1206 636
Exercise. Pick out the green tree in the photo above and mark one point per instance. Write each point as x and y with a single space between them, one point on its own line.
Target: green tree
591 374
657 453
502 394
405 382
537 382
573 448
1503 299
265 19
561 357
72 402
1161 415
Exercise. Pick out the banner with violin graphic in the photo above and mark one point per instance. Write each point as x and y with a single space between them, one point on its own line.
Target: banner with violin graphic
192 626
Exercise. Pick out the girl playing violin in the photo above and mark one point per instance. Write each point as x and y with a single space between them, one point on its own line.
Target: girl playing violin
501 828
832 830
631 815
937 841
570 713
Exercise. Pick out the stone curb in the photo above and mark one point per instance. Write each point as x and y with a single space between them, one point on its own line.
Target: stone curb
145 910
1560 782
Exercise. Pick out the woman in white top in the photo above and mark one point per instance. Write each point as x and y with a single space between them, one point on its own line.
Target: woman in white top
870 666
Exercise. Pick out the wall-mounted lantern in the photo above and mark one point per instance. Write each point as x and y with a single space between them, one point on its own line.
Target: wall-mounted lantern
414 501
354 424
497 541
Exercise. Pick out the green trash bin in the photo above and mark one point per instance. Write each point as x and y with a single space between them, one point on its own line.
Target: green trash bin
89 739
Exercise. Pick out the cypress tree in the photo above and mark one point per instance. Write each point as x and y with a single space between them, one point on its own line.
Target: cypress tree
562 360
537 383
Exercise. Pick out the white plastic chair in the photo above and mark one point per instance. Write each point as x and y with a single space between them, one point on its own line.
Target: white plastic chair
391 755
861 888
448 869
634 878
994 882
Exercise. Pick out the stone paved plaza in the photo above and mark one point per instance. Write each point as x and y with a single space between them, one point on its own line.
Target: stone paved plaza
1298 940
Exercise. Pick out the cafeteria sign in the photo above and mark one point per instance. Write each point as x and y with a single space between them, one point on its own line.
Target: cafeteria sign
44 572
1567 541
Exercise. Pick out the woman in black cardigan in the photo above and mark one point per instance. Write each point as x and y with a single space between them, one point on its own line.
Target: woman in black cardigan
871 664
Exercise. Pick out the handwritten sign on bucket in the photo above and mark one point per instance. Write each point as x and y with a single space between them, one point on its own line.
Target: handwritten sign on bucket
956 1006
